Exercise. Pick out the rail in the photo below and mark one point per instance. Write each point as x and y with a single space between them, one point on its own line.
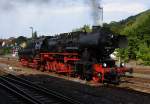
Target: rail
33 93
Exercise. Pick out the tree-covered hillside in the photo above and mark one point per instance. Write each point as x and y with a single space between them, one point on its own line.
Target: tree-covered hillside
137 29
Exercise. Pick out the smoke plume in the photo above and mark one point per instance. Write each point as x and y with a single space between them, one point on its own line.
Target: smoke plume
96 12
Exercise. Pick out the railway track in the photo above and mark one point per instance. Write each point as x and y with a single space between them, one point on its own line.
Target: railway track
30 93
138 84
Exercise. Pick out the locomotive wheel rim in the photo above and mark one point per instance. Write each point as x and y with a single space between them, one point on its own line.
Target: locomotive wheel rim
96 79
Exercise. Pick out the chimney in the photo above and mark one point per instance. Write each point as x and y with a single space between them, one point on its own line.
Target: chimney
96 28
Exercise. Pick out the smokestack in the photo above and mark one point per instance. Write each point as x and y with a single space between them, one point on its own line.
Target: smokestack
97 12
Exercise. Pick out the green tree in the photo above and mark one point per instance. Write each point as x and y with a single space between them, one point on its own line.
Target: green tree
85 28
20 40
137 29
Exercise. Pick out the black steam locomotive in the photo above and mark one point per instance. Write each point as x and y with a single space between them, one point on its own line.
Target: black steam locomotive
79 54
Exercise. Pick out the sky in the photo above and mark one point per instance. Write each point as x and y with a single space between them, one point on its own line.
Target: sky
49 17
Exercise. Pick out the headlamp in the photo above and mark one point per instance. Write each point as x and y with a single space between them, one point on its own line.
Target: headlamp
122 64
104 65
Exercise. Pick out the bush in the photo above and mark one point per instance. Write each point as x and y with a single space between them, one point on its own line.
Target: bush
6 50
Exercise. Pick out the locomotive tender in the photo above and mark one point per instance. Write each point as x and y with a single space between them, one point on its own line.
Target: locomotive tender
78 54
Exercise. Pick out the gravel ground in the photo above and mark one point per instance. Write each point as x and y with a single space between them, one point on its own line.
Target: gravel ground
89 94
4 98
82 92
139 68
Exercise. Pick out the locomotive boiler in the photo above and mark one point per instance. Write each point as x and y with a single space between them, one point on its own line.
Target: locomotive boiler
78 54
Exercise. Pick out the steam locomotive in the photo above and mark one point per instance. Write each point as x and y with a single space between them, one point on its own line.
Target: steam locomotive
78 54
